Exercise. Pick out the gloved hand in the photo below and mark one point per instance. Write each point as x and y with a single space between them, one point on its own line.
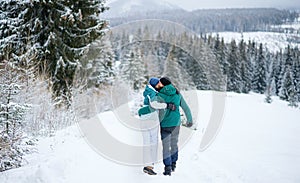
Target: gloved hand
189 125
171 106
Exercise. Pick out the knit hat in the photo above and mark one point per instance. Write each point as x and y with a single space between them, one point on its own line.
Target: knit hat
165 81
153 82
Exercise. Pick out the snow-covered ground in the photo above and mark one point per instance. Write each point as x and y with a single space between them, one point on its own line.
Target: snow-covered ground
271 40
292 25
258 142
289 26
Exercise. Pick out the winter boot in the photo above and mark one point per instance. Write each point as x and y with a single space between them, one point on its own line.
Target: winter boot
149 170
168 170
173 166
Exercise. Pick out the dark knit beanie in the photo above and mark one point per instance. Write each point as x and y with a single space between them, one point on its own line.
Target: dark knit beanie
165 81
153 82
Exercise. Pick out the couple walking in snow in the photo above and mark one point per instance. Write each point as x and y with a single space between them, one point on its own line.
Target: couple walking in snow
163 99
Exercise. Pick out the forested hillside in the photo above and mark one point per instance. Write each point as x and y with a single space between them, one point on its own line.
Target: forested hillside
208 63
218 20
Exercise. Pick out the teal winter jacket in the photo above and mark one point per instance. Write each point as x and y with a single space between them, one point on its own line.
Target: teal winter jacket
149 91
167 117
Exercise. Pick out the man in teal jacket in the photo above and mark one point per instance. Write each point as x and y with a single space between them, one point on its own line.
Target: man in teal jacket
150 135
170 122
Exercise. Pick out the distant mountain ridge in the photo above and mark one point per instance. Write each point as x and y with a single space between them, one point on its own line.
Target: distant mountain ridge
121 8
217 20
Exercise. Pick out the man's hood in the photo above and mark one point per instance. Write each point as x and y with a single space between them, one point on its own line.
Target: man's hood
168 90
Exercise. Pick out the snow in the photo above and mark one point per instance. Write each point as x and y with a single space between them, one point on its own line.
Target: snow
272 40
294 25
258 142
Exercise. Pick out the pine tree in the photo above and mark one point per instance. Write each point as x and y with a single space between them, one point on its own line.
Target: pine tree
268 98
60 30
222 57
220 53
251 55
133 69
296 71
270 91
152 67
234 74
259 78
12 116
172 68
98 64
106 62
13 42
287 65
288 90
178 68
276 70
245 68
286 62
198 69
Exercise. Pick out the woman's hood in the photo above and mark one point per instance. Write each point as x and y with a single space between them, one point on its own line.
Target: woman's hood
149 89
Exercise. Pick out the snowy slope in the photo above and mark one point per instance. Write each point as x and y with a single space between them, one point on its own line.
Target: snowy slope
121 8
258 142
272 40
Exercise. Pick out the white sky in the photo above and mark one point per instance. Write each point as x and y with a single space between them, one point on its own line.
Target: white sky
204 4
198 4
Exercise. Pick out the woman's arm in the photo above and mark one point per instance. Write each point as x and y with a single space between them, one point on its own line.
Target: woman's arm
145 110
157 105
161 105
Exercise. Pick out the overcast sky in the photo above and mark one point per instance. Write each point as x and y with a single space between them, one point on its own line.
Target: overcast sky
200 4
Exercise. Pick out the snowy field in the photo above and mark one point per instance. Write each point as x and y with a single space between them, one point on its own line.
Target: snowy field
271 40
258 142
289 26
293 25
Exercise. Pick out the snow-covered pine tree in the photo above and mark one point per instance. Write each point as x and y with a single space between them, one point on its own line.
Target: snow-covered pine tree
259 78
270 91
287 65
234 75
152 66
276 70
98 64
185 61
154 56
198 71
13 42
12 116
17 68
296 71
161 51
61 91
268 98
245 68
288 90
106 63
62 30
133 69
251 55
174 71
220 52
